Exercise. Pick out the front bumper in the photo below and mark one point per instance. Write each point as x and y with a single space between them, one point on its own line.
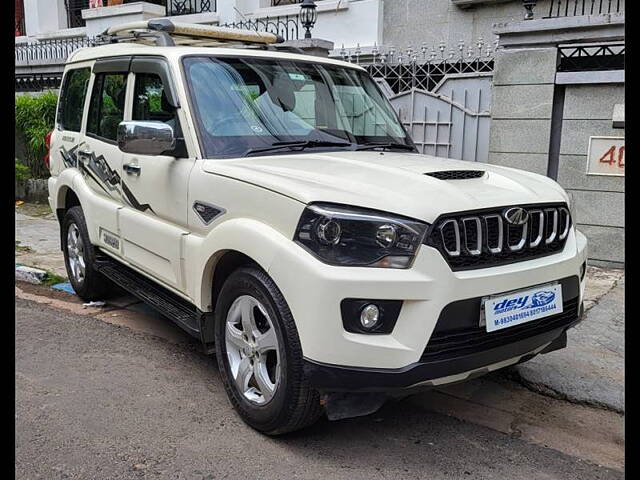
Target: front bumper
338 359
439 371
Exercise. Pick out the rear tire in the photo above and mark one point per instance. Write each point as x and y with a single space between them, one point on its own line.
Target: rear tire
79 258
260 357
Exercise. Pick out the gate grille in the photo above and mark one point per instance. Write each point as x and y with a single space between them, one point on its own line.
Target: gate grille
441 94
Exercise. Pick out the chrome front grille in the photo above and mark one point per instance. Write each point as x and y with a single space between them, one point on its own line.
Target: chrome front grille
488 238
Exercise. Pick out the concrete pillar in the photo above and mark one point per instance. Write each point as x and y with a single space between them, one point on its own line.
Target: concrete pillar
99 19
542 120
310 46
522 100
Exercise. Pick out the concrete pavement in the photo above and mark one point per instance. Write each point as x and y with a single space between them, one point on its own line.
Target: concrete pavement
38 239
591 369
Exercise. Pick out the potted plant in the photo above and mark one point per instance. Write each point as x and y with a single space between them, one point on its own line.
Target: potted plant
114 2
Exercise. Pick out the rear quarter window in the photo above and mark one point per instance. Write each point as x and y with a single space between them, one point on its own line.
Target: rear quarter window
71 105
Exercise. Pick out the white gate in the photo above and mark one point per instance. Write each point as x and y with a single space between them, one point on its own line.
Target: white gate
444 103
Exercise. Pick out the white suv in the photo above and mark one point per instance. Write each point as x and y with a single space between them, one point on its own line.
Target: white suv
273 206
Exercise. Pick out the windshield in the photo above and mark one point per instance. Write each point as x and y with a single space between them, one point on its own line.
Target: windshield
247 104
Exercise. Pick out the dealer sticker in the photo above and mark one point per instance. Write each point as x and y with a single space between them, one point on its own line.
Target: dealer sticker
522 306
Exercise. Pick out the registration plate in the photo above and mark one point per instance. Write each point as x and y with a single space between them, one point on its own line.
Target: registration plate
522 306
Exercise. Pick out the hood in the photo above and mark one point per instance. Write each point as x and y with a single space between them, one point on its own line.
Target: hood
389 181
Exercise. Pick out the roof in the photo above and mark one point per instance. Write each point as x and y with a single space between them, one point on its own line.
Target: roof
174 53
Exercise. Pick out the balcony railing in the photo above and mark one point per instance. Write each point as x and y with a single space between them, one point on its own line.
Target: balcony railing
49 52
572 8
56 51
287 26
188 7
174 7
74 12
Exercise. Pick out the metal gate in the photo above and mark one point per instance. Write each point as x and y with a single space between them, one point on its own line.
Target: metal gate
443 100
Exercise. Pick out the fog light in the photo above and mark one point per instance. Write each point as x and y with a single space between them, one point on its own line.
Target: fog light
370 316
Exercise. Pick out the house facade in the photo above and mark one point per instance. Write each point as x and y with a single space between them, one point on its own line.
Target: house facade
537 85
346 22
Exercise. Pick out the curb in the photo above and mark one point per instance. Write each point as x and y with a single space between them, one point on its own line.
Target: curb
31 275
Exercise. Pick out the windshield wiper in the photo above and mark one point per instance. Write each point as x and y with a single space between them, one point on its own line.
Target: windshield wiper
298 145
388 145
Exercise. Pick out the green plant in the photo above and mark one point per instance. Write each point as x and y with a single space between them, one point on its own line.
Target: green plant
53 279
22 171
155 102
35 117
22 248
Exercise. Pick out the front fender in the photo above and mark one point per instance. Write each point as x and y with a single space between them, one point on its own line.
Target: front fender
251 237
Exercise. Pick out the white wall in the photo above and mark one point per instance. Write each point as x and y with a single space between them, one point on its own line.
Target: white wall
360 23
44 16
350 22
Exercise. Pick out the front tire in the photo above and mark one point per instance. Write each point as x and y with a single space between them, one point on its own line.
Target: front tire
260 357
79 257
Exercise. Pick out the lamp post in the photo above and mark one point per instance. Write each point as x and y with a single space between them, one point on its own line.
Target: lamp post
529 5
308 16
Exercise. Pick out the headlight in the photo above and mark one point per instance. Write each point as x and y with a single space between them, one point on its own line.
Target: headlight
341 235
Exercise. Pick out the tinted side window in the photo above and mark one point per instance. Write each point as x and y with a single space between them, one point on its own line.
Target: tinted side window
106 110
72 98
150 101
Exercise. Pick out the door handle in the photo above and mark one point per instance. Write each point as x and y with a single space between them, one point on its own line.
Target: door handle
131 168
84 153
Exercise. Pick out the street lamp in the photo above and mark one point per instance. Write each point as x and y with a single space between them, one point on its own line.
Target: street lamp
308 16
528 5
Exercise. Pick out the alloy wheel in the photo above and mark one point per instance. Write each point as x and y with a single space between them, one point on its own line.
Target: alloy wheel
252 350
75 253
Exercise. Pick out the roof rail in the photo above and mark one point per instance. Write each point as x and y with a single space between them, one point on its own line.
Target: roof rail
166 32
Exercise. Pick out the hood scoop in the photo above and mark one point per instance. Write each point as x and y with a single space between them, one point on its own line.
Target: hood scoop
456 174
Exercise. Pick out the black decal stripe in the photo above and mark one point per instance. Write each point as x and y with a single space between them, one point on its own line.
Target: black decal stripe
96 168
133 201
98 182
105 177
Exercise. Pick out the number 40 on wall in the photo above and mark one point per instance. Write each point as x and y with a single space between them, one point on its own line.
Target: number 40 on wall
606 156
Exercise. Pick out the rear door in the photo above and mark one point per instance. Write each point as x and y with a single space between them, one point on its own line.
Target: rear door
99 153
68 134
154 187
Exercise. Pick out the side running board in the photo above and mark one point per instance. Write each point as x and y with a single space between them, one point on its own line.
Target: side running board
185 315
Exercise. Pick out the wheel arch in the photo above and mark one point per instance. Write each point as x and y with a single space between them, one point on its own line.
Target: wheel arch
233 243
226 262
66 198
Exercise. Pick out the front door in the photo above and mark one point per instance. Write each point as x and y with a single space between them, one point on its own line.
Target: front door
154 191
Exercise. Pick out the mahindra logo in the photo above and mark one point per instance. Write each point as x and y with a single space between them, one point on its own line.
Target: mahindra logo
516 216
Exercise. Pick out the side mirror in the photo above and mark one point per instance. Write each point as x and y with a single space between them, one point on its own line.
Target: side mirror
146 138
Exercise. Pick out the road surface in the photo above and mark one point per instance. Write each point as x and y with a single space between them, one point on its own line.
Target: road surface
96 399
